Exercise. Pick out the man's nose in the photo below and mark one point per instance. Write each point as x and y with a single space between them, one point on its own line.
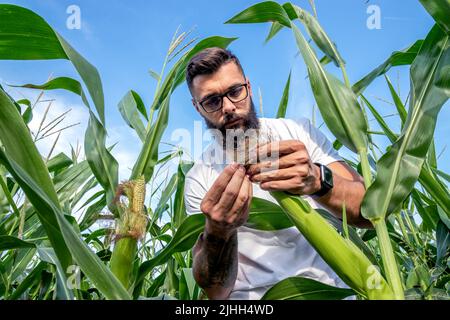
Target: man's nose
228 106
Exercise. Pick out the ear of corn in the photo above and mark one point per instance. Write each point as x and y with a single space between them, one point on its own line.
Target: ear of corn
347 260
130 229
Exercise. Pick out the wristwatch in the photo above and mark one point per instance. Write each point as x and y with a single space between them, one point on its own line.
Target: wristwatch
326 180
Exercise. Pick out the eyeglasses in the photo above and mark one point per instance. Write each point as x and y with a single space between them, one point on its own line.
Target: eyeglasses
215 103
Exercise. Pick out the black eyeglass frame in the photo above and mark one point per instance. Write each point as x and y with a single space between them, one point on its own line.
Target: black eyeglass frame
221 96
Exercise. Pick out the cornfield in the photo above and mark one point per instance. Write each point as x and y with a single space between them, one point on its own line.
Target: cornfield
46 253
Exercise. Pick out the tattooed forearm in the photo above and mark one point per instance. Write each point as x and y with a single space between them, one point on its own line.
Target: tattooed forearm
215 264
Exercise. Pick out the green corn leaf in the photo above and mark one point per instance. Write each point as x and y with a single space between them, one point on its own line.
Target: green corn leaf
92 213
274 29
27 115
188 286
266 215
89 263
24 35
429 214
316 32
444 175
281 113
140 104
337 103
64 83
384 126
300 288
19 147
166 195
148 156
9 242
397 58
103 165
78 195
153 290
272 11
129 109
154 75
183 240
179 209
70 180
400 167
25 102
439 10
397 101
268 11
33 277
442 241
58 162
426 178
62 291
435 188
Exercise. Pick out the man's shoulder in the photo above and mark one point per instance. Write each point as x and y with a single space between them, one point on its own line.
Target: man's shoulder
301 122
287 128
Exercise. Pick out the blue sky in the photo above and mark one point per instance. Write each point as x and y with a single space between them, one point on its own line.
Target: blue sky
124 39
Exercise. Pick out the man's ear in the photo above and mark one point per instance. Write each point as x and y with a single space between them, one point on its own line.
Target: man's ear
195 105
249 86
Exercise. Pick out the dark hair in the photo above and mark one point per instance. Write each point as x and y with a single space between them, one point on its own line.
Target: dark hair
209 61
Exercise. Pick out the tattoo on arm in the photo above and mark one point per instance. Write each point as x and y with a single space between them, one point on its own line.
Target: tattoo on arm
215 261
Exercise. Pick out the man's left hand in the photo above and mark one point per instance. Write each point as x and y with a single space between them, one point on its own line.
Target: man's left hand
293 171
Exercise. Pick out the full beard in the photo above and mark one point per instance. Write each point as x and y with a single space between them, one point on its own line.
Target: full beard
250 121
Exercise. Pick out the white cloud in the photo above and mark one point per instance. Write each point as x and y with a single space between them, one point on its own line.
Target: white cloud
77 115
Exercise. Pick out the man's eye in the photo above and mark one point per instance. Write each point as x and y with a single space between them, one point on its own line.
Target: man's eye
213 101
235 93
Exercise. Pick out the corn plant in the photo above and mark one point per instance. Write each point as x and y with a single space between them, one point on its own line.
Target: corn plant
399 168
143 258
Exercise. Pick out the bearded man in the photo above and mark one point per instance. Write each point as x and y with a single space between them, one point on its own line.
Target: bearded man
231 260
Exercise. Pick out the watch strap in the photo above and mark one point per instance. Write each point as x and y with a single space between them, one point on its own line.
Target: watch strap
324 186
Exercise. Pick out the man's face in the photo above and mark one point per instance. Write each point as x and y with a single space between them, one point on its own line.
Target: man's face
232 115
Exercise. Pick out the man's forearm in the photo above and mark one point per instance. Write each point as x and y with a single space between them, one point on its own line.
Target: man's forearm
349 192
215 264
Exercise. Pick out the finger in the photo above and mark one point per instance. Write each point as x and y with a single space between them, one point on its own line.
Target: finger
228 196
273 175
272 149
280 185
241 201
212 197
281 163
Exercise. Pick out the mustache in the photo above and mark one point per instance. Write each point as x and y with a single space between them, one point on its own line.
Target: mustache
230 118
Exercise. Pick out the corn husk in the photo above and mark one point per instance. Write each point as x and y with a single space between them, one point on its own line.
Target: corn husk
344 257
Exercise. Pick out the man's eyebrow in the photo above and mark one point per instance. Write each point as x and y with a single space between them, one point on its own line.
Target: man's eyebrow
212 94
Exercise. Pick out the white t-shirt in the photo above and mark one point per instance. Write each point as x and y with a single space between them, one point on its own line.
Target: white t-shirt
267 257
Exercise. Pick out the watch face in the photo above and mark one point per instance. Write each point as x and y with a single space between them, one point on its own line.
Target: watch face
328 176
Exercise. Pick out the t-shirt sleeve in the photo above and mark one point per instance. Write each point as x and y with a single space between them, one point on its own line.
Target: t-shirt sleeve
320 149
194 189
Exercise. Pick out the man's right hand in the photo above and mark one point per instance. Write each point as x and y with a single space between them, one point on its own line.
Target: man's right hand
227 203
